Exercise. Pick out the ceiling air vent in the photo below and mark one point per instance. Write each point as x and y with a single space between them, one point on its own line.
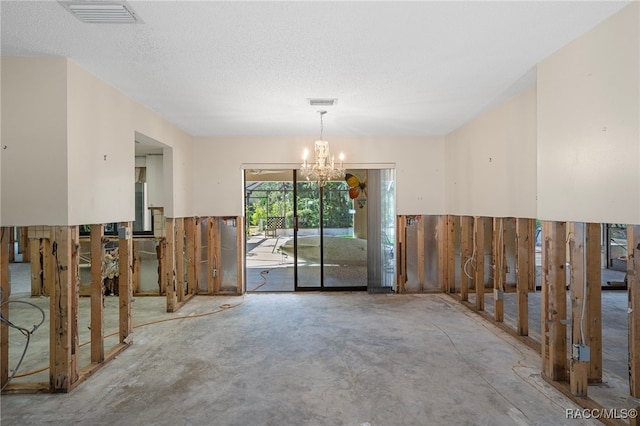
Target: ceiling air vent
322 101
102 12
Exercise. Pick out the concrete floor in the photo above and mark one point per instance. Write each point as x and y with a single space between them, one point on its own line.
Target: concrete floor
301 359
309 359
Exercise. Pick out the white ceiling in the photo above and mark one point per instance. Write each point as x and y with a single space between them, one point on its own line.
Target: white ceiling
247 68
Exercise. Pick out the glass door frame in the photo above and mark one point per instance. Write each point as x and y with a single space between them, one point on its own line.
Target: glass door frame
374 284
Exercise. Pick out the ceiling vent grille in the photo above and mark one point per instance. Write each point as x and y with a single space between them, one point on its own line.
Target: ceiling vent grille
322 101
102 12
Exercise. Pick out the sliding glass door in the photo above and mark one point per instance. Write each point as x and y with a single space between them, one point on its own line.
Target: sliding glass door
329 254
308 235
344 233
305 236
269 234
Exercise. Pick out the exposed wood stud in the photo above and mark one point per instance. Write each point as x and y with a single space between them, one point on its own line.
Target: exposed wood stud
136 275
62 346
25 248
478 229
12 244
499 270
161 250
169 265
37 274
578 369
74 271
193 239
42 265
97 294
240 250
633 286
554 301
442 258
446 253
544 299
179 260
216 248
594 300
212 230
125 260
48 266
451 254
198 254
401 273
466 251
420 238
525 271
6 291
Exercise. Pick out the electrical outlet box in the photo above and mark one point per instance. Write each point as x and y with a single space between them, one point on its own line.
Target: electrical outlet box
581 353
124 233
498 294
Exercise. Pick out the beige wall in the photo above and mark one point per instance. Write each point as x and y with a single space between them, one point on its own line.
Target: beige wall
34 131
1 145
218 165
491 162
100 145
70 147
588 125
63 122
103 121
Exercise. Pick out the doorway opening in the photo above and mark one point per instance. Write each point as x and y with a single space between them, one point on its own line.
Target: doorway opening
301 235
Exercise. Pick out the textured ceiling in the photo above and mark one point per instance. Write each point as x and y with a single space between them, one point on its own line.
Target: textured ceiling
247 68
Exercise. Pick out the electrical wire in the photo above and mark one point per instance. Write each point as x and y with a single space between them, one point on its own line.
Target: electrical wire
25 331
583 308
471 260
28 333
222 308
264 279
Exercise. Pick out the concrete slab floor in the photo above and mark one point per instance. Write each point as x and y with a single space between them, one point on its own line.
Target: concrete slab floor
309 359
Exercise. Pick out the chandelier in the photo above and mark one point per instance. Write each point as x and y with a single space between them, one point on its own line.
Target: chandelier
323 170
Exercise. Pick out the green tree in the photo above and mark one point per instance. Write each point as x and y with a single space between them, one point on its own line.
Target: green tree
276 199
